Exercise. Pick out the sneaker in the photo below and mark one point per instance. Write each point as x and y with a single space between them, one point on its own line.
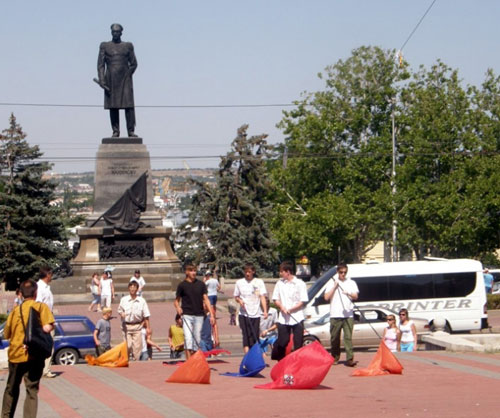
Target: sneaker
351 363
50 375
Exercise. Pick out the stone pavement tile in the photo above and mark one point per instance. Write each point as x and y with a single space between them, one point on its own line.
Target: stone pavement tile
161 404
117 400
44 409
79 401
467 359
490 359
453 365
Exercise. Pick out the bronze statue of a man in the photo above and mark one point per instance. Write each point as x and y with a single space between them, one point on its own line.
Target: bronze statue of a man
115 65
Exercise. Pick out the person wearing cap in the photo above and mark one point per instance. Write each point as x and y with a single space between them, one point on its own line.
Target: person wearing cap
140 281
135 315
102 332
213 287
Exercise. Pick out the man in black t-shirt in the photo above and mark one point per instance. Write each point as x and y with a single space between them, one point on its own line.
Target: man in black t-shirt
190 301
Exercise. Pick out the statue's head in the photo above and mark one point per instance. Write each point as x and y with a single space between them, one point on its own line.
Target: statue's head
116 31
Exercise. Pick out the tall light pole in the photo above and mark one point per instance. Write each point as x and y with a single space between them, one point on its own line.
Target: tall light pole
393 184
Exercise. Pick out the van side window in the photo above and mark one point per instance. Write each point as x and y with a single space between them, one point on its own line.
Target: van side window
421 286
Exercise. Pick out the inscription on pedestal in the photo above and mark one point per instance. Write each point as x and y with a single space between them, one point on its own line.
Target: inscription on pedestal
118 166
123 169
125 250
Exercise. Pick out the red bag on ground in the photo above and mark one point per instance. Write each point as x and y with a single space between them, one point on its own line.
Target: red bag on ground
304 368
194 370
384 362
116 357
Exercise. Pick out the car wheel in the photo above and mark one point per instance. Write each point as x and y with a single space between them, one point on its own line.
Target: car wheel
309 339
67 356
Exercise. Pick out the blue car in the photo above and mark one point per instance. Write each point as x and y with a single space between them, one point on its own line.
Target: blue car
73 338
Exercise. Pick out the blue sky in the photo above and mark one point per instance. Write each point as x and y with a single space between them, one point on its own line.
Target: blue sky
210 53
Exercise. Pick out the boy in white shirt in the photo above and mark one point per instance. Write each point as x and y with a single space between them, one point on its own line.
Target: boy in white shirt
250 293
290 296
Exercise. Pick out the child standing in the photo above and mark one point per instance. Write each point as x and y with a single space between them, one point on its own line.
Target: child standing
102 332
209 334
391 334
147 344
176 338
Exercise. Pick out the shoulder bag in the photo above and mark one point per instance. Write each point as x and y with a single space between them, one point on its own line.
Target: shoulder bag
39 343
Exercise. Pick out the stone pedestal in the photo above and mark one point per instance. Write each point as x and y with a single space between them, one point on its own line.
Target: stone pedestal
119 163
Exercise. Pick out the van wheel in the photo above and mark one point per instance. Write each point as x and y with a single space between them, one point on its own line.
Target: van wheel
447 327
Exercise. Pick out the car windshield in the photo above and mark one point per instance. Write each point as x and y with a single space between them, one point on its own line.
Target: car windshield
318 284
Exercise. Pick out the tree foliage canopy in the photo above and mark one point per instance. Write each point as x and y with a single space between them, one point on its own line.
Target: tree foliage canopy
228 224
335 184
31 230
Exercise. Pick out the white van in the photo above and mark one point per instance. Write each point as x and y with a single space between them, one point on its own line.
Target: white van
450 289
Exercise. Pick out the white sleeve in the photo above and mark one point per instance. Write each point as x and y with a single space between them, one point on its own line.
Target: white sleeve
303 293
329 285
355 288
276 292
262 288
145 310
236 290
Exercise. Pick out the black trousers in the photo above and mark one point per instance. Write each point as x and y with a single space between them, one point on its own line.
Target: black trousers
115 119
250 330
284 332
31 371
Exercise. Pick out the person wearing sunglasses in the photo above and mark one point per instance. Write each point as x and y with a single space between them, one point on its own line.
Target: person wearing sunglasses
408 332
391 334
342 291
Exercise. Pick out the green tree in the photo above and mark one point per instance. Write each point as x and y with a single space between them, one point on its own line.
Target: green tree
335 200
31 230
448 189
228 223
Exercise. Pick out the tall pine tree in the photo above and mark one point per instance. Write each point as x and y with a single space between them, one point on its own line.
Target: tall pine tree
228 223
31 230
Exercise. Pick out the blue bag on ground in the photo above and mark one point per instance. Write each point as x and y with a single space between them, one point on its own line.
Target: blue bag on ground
252 363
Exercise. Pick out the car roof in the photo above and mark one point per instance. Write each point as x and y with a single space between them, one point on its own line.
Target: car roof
71 318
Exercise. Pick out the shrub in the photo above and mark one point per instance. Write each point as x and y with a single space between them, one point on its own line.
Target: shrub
494 301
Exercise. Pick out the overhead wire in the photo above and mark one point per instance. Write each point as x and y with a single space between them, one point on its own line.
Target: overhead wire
417 25
195 106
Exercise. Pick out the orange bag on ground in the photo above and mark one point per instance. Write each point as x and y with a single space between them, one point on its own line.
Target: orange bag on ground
384 362
116 357
194 370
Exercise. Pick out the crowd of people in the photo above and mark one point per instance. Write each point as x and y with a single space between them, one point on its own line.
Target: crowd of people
275 323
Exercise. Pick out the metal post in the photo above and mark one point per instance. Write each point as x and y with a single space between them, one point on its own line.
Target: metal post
393 181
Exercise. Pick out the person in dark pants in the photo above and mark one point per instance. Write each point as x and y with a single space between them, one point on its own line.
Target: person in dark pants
342 291
250 293
21 365
289 295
